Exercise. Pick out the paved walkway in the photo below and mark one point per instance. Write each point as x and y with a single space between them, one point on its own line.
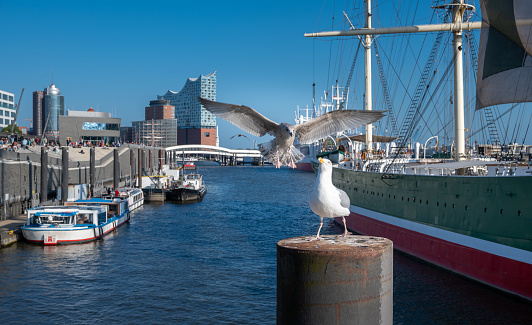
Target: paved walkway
10 230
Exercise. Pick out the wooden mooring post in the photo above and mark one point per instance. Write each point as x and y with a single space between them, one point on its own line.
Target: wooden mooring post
336 280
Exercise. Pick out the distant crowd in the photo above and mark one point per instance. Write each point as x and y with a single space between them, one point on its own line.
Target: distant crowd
11 143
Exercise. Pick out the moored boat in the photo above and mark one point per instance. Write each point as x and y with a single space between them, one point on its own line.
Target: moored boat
134 196
191 188
75 222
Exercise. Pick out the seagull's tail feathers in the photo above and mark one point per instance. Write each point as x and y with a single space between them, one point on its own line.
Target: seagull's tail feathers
269 151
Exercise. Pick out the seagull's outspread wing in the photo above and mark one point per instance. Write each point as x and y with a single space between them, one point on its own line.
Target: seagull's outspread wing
242 116
333 122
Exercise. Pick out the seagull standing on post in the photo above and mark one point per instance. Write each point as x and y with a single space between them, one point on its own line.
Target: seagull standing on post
281 150
326 200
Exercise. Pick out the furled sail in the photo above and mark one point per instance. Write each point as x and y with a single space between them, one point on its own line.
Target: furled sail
505 62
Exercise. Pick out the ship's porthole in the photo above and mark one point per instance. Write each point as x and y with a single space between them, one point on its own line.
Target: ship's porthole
408 199
445 205
394 197
466 207
427 202
519 212
453 205
501 211
485 210
437 204
402 198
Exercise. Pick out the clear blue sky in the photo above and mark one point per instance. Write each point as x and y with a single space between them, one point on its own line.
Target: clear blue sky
116 56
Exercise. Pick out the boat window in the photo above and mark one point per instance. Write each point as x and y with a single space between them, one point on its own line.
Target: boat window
101 218
53 220
84 218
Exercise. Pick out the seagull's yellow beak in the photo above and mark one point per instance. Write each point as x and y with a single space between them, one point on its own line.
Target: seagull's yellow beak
320 160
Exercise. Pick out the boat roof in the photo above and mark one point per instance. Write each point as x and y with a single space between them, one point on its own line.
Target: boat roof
94 200
65 214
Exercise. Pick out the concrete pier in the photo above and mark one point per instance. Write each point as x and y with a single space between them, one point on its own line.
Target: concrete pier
336 280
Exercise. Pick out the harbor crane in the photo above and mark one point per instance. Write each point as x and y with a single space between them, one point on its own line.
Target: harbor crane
16 113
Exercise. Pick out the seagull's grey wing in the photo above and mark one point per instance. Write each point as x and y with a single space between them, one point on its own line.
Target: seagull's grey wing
345 202
244 117
335 121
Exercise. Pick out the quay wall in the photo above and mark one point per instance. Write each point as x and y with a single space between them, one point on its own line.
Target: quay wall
20 173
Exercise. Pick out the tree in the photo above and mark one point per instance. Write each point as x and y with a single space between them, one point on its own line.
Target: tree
8 129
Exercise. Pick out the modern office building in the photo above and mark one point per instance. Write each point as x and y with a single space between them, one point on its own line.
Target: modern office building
48 105
91 126
38 120
54 106
195 124
158 133
7 108
159 109
126 134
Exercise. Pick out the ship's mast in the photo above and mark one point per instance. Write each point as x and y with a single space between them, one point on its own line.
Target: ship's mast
367 73
458 8
459 131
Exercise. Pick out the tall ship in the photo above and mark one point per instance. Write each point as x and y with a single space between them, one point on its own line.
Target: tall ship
465 207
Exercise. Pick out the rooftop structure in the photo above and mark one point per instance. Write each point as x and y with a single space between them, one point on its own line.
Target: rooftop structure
91 126
7 108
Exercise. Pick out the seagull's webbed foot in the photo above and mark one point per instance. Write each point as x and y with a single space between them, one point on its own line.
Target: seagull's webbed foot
292 164
318 235
278 162
346 233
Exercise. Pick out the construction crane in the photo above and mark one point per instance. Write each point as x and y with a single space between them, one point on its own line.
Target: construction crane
16 113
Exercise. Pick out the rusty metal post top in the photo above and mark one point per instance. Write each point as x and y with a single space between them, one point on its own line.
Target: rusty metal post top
335 243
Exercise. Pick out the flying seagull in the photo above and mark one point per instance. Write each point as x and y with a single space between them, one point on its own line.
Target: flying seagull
239 135
281 149
326 200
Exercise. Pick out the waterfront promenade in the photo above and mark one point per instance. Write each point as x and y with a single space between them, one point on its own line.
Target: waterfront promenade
22 180
10 228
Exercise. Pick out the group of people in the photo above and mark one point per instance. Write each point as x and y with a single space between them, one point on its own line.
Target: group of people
11 143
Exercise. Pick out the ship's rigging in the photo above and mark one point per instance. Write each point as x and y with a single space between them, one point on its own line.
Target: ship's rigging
399 68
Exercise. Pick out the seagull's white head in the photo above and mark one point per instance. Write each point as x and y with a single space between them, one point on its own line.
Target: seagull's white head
325 165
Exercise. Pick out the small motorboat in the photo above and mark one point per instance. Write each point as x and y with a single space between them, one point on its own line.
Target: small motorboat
190 188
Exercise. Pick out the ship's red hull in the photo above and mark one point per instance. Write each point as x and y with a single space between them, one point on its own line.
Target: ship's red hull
304 166
504 273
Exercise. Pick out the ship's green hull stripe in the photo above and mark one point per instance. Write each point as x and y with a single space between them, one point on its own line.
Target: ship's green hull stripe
495 209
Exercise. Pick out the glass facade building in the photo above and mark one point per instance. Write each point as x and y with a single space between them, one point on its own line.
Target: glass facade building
188 111
7 108
54 106
158 133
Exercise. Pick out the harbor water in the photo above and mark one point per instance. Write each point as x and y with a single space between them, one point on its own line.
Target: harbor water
214 262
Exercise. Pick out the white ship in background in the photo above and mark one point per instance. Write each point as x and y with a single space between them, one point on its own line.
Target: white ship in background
335 99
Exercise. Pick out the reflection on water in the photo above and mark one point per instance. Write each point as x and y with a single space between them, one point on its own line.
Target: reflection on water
214 262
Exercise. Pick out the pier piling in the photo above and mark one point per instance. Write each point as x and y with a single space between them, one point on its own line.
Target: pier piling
116 169
139 173
131 167
92 170
336 280
64 174
44 175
